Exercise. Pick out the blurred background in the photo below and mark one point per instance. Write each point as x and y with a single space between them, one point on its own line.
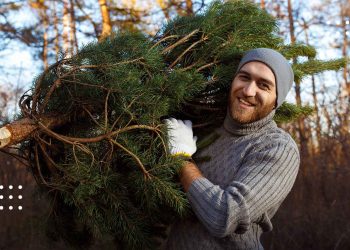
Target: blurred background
316 215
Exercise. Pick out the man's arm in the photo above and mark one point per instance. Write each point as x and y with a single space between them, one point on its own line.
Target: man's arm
189 173
262 182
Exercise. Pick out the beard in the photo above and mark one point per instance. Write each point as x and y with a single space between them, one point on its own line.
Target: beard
257 112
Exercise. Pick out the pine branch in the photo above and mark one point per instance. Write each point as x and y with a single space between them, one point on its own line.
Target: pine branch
313 66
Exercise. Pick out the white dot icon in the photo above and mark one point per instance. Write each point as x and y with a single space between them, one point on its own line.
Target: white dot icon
10 197
1 197
20 197
1 207
1 187
10 187
19 207
19 186
10 207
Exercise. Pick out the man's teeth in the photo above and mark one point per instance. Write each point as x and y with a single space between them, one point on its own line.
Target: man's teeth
244 102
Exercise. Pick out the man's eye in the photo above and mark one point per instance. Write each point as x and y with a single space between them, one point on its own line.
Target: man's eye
244 78
264 86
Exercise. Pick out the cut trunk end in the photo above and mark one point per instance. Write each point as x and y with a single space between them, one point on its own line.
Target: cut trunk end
23 129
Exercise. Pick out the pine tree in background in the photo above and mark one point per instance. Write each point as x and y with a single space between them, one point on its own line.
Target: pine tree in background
97 143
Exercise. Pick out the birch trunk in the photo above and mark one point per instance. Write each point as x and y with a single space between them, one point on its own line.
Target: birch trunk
66 25
73 30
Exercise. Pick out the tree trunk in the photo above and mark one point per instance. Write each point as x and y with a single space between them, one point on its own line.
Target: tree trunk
106 21
57 34
189 7
66 25
314 96
301 126
73 31
23 129
45 21
262 4
345 73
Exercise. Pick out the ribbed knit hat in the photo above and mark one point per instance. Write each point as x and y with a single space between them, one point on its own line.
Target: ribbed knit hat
278 64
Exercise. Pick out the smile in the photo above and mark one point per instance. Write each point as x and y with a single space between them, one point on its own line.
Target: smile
245 103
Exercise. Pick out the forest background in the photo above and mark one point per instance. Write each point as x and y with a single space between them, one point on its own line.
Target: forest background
34 34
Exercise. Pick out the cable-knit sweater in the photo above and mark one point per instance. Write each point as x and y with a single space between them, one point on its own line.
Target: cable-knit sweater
251 170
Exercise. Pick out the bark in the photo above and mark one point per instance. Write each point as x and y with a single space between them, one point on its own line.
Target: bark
344 130
189 7
106 21
345 44
301 126
318 119
23 129
178 7
329 121
262 4
73 30
55 26
314 95
345 73
45 20
66 25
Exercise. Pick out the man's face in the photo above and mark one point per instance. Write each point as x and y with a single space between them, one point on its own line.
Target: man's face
253 93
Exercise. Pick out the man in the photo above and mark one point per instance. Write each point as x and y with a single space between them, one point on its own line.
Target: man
252 167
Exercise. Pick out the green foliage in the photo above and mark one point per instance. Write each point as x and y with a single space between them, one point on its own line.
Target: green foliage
107 168
295 50
290 112
314 66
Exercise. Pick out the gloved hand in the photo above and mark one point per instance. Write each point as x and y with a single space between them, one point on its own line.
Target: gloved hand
181 139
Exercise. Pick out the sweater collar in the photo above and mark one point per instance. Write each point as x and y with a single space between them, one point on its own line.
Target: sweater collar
237 128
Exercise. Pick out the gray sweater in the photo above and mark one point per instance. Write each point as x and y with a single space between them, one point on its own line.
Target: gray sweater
251 170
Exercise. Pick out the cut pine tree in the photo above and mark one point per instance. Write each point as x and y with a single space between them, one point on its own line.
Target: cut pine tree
106 164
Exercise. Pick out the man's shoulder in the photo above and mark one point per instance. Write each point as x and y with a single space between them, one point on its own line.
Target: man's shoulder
276 137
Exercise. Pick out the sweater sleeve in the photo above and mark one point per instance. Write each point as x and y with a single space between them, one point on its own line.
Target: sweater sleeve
263 181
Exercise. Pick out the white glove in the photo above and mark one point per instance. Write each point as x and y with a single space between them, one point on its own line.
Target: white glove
181 139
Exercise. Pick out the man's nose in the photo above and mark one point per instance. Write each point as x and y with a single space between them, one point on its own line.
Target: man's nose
250 89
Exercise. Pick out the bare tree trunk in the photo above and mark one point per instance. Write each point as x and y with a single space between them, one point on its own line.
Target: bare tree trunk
45 20
262 4
345 102
55 26
73 31
301 127
328 120
189 7
345 45
106 21
343 9
314 96
178 7
66 25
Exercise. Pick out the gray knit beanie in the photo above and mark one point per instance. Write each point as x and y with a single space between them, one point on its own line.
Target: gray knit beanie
278 64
